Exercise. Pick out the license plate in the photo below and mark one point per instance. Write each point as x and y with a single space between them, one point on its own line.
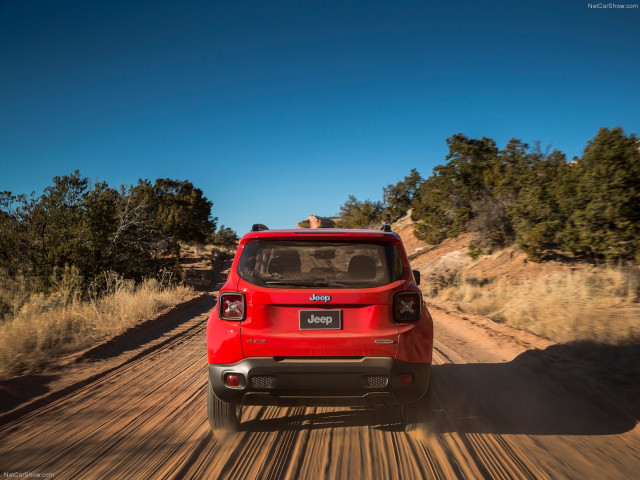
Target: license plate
320 319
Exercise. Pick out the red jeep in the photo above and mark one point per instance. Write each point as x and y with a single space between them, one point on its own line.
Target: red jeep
319 317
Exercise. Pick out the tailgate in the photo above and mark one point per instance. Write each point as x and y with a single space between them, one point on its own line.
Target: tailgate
319 323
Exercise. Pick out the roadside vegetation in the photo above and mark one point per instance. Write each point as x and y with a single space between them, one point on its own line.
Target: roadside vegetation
596 304
520 194
86 261
49 325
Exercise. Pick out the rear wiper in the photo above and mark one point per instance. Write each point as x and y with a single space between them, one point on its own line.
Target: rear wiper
297 284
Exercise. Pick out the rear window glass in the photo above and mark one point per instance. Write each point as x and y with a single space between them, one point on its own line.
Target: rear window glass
294 264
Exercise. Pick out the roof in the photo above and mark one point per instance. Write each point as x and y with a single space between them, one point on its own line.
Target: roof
325 233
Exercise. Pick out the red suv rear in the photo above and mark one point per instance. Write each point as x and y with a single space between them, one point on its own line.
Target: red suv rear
319 317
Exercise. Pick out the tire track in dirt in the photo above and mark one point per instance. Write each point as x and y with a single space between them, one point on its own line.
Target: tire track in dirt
489 456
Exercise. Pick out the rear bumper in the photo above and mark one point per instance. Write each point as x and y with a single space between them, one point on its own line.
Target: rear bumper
321 381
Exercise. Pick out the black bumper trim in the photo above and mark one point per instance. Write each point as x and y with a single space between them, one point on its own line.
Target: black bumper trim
321 381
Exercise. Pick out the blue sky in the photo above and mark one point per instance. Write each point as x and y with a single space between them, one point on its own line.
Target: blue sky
278 110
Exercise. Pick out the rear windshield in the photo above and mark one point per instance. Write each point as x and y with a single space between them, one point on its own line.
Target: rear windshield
309 264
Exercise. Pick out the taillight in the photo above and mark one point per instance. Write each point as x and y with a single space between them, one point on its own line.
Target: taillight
406 307
231 306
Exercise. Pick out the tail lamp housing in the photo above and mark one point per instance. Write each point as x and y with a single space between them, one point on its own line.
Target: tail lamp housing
407 306
232 306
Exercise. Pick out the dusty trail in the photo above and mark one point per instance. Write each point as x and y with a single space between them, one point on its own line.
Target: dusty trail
499 414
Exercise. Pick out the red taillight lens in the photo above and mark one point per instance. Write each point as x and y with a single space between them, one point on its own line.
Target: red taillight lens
232 306
406 306
405 379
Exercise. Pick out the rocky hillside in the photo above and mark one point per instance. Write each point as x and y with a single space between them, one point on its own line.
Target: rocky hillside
451 260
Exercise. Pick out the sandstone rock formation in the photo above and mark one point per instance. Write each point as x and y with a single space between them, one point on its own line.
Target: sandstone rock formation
315 221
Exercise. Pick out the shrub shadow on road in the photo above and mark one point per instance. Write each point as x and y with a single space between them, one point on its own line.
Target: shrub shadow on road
581 388
14 391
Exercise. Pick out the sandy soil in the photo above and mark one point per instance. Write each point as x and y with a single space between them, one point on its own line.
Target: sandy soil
507 405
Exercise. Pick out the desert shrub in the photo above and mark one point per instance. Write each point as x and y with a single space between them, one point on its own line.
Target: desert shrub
225 237
397 198
491 223
15 291
474 251
356 214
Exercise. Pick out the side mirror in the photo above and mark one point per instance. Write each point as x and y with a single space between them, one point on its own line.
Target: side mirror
416 275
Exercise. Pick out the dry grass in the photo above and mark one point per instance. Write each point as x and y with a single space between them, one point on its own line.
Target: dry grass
46 327
599 304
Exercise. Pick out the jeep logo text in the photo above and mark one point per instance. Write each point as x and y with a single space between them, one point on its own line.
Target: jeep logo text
317 319
320 298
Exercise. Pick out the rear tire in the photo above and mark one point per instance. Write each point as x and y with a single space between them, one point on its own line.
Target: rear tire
417 415
222 415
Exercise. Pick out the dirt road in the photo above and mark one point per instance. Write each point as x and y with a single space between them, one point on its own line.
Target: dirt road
503 410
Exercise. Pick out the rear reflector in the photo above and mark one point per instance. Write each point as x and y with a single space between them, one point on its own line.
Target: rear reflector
232 306
232 379
405 379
